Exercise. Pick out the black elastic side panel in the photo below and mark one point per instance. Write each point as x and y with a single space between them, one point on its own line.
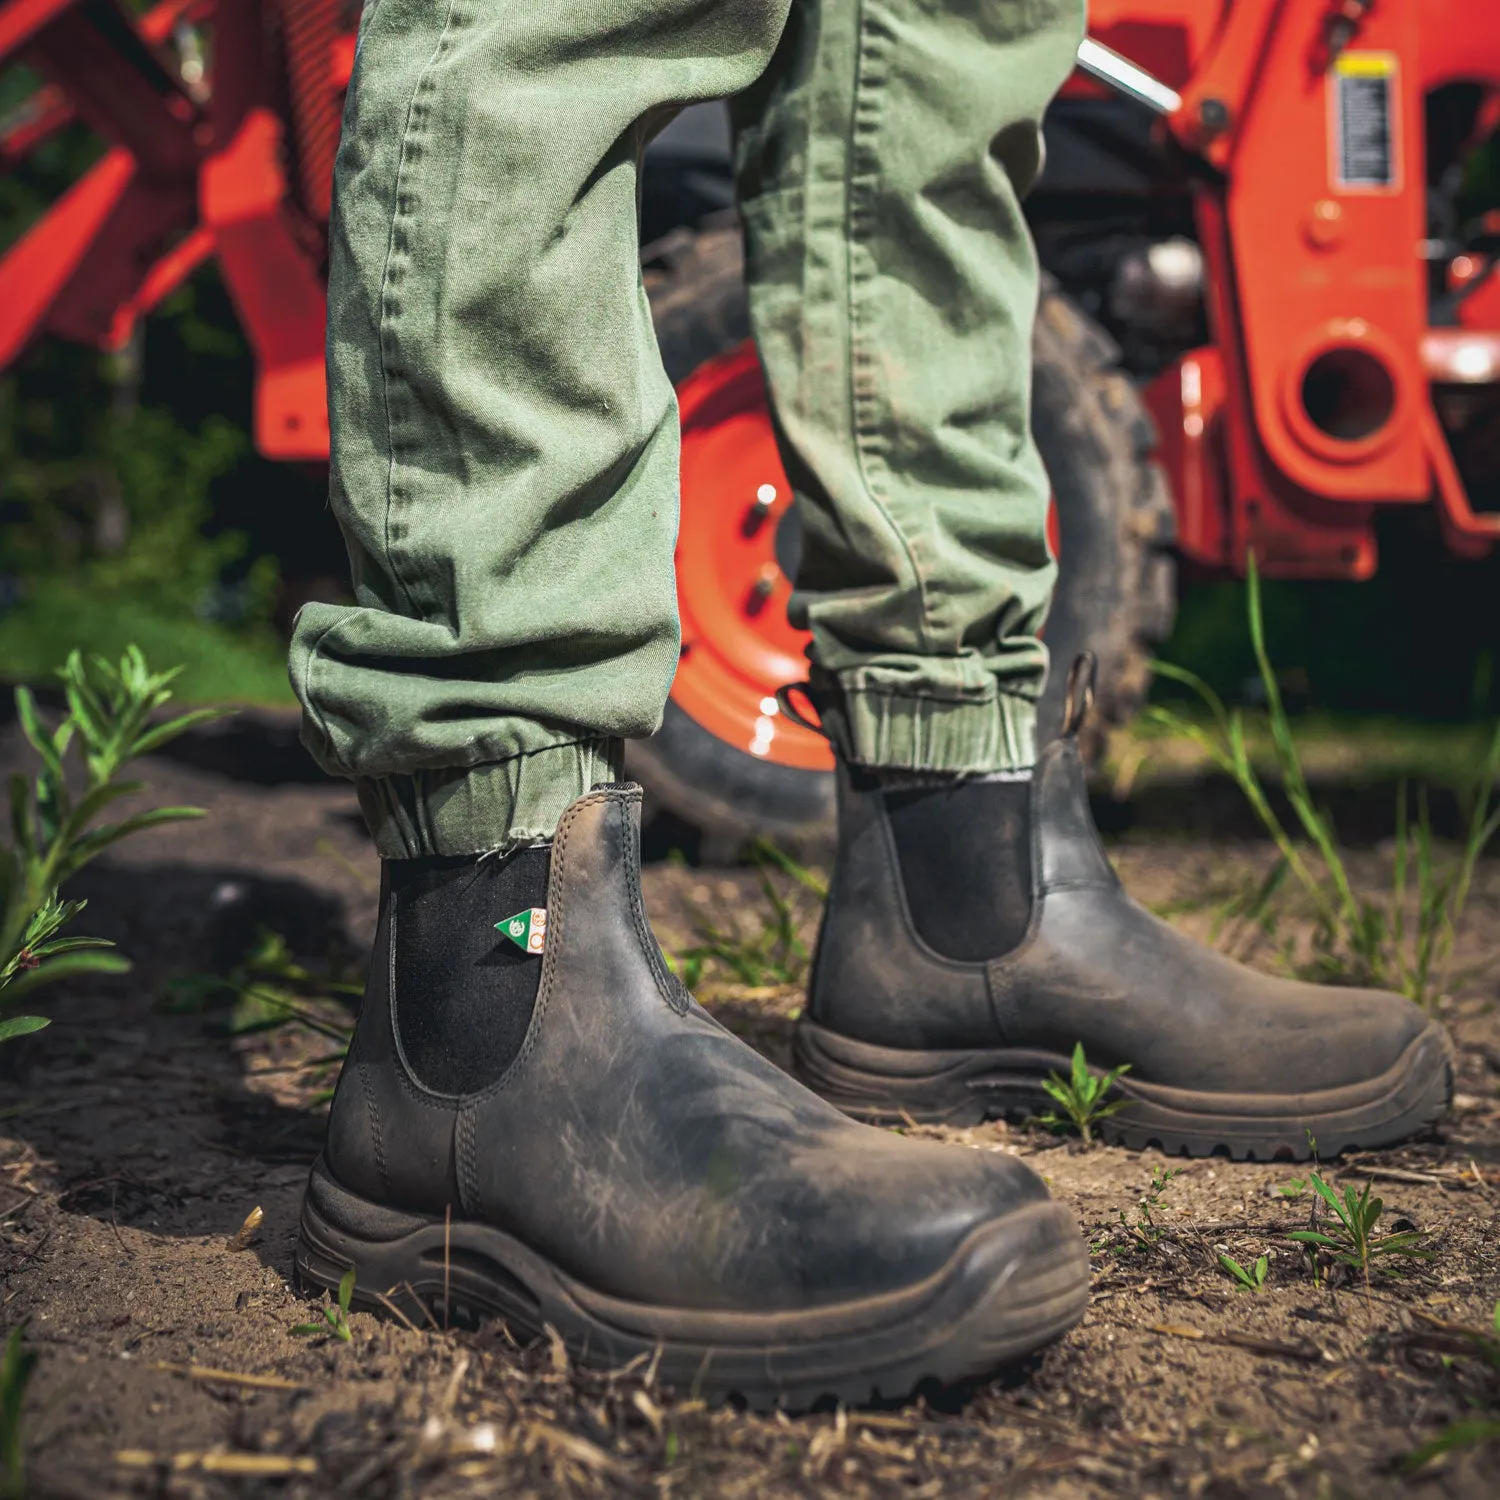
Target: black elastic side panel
965 853
464 993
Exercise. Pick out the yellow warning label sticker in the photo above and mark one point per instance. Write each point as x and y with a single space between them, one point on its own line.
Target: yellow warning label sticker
1363 101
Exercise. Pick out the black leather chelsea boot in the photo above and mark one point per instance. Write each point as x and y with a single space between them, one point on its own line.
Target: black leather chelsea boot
626 1171
951 1008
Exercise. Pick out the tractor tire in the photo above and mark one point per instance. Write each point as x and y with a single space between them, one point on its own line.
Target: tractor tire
1116 584
1116 589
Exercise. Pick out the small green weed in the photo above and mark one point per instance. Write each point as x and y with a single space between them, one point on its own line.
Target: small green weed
1356 940
1146 1231
1251 1280
333 1321
773 952
1470 1433
1081 1097
1454 1340
16 1366
1350 1237
54 834
269 989
1293 1189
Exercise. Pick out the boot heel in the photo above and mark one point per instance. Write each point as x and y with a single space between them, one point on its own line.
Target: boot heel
397 1258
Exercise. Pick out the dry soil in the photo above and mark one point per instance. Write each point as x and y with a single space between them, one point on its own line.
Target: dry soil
136 1135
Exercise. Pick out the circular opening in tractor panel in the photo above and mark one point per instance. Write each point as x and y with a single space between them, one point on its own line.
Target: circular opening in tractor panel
1348 394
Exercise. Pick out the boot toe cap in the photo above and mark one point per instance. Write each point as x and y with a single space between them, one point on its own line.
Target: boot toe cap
1303 1038
894 1212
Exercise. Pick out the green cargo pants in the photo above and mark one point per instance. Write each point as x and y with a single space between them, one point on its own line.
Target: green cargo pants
505 442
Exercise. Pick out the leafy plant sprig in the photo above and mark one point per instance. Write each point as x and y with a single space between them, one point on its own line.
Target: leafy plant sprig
333 1321
1469 1432
1082 1097
1350 1237
270 989
1465 1339
1146 1231
54 833
1251 1279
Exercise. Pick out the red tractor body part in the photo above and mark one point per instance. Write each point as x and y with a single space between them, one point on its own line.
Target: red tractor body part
190 171
1314 403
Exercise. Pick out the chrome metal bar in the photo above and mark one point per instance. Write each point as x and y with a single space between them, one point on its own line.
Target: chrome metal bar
1105 64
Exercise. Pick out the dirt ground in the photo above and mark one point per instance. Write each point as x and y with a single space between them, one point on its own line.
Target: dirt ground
136 1135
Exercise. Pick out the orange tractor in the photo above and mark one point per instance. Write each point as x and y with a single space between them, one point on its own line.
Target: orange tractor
1270 310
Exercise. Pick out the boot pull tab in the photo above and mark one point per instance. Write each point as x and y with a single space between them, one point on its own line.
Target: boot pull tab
785 704
1083 677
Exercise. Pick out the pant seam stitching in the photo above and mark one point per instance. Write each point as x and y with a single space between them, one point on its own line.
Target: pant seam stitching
859 690
399 218
864 126
466 767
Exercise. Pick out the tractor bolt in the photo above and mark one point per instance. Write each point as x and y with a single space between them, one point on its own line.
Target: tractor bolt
1213 118
755 517
763 587
1324 227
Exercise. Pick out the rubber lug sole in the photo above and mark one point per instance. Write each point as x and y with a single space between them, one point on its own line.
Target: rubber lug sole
1014 1285
884 1085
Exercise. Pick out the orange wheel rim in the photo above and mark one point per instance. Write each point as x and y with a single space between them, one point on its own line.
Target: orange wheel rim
738 647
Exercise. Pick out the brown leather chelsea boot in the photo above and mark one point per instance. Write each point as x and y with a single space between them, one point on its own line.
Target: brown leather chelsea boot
611 1162
976 932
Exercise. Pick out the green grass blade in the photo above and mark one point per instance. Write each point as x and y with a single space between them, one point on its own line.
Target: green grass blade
1236 1270
68 945
164 734
765 848
1326 1193
1406 1242
1469 1433
15 1026
1195 684
92 844
1081 1076
35 732
69 966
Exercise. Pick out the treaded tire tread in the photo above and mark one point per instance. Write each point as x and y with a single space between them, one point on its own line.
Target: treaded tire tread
1117 588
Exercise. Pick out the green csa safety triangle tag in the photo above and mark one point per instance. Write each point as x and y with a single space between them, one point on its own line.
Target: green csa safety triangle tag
527 929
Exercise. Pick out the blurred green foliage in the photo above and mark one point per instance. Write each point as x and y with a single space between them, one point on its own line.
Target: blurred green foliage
110 530
219 664
1420 640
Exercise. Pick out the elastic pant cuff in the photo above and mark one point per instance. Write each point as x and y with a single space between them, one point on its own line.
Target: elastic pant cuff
492 808
922 732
